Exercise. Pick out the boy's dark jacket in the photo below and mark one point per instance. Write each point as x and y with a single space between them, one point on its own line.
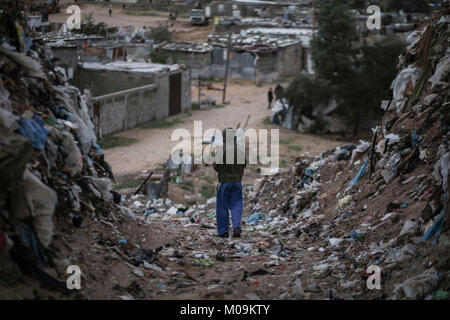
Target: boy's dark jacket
230 172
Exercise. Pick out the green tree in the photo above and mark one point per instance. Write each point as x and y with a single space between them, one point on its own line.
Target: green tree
358 4
407 5
333 47
357 75
306 92
373 75
378 69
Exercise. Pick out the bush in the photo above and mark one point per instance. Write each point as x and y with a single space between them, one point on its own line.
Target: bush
357 75
406 5
319 125
307 92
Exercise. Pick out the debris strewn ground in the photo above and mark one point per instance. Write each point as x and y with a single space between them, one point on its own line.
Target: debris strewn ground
310 232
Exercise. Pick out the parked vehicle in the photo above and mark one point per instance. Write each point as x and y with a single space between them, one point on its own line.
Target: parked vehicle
198 17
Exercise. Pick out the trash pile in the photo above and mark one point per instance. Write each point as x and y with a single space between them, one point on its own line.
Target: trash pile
315 231
53 174
383 203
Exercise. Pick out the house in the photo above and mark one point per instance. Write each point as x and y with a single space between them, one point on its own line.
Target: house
128 94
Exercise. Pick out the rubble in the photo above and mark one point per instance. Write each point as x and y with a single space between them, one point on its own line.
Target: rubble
53 171
417 287
356 212
305 235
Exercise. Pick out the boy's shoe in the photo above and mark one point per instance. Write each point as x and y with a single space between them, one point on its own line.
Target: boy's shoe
225 235
237 233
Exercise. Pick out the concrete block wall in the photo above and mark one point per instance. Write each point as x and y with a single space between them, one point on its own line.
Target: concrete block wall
289 61
270 67
285 62
199 63
242 66
105 82
127 109
68 57
266 68
186 91
162 96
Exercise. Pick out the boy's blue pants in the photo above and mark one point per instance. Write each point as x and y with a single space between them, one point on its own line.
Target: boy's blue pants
229 197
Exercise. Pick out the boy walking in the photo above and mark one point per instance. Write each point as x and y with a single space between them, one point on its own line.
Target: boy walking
229 192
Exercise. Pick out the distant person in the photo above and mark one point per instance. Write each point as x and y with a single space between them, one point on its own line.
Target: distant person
123 6
229 191
44 16
270 97
110 10
279 92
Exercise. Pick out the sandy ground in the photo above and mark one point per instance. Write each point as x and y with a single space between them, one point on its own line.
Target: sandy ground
154 146
181 28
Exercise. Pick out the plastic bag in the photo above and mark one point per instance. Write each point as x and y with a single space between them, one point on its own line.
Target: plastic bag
41 200
73 161
103 186
35 131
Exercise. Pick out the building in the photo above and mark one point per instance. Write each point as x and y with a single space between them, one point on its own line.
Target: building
195 55
126 94
67 48
259 57
255 58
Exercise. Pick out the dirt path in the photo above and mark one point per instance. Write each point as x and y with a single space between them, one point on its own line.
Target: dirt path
154 145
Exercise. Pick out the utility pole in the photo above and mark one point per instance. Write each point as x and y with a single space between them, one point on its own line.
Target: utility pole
199 90
314 18
227 63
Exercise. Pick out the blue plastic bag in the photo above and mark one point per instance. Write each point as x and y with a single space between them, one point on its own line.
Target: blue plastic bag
255 217
435 229
359 175
34 130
